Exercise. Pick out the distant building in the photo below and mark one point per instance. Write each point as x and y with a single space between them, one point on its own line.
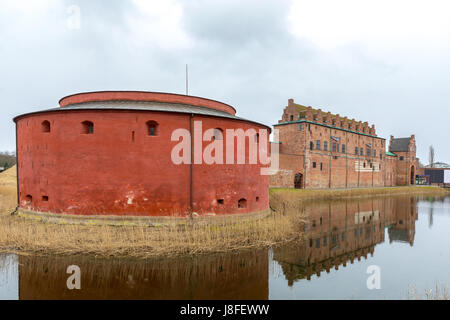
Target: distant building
440 165
318 149
436 175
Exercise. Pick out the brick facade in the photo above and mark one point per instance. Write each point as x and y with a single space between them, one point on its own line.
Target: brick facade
321 150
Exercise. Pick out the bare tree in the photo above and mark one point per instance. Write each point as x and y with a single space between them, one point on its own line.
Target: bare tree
431 157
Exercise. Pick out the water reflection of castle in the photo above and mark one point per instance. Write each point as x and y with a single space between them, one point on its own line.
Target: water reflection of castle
338 232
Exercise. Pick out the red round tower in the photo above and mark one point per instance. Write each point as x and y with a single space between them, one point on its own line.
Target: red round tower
111 153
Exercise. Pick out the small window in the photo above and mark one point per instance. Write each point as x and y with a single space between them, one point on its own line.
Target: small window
314 165
300 126
45 126
311 146
28 200
257 138
361 151
324 241
45 198
334 147
318 144
374 153
364 165
356 150
401 158
152 128
242 203
321 166
220 201
368 152
292 118
218 134
257 199
343 148
325 145
87 127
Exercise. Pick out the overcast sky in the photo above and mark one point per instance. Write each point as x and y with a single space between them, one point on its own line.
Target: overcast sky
385 62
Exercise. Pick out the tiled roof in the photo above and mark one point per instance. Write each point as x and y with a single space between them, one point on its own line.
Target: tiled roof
302 109
399 145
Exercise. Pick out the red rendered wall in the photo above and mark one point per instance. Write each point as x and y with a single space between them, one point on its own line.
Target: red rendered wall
107 173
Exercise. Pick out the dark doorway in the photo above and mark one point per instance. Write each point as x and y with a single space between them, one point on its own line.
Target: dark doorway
298 181
413 175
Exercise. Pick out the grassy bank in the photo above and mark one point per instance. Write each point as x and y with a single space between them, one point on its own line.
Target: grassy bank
21 235
308 194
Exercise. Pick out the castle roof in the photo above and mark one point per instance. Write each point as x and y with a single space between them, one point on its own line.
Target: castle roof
302 110
399 145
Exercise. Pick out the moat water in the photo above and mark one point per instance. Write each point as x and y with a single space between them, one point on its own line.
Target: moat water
372 248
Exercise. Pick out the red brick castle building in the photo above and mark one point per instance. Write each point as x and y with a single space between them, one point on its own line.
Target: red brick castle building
318 149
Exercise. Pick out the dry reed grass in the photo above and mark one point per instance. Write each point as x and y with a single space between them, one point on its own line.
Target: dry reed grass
440 292
19 234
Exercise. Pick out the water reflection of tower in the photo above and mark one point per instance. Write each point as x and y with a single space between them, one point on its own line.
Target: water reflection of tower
339 232
224 276
405 214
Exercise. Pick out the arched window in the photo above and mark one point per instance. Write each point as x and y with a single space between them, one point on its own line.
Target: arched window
45 126
242 203
218 134
87 127
152 128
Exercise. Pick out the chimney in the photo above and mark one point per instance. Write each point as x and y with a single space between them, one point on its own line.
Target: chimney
290 102
309 115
